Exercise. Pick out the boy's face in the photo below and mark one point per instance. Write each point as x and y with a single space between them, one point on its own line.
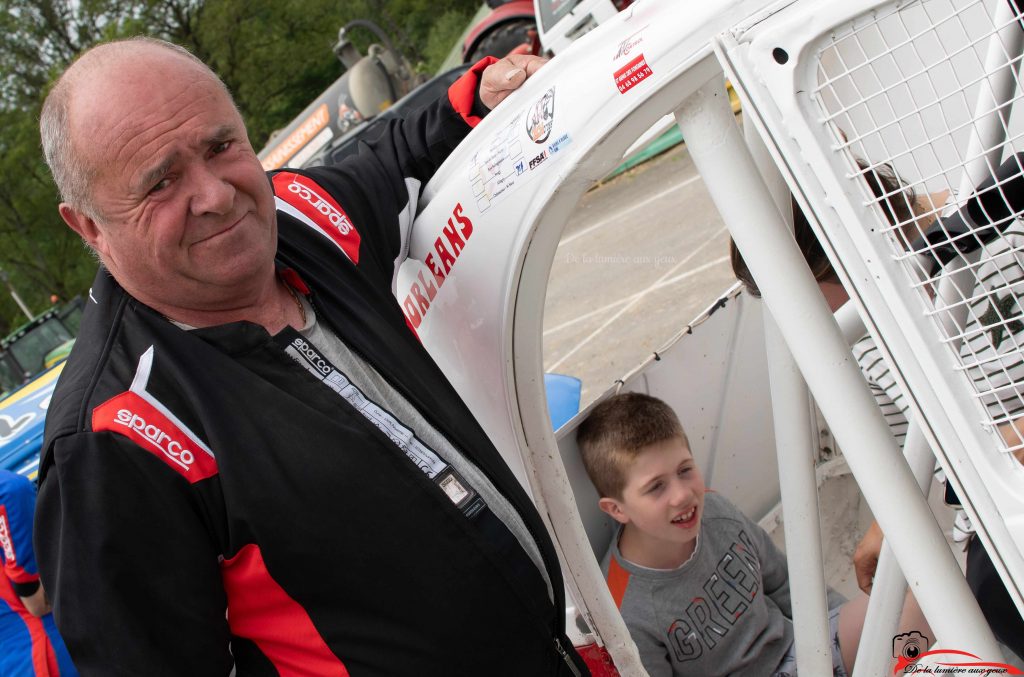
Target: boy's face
664 494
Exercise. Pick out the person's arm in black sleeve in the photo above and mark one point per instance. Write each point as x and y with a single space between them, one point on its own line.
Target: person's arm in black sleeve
379 188
128 562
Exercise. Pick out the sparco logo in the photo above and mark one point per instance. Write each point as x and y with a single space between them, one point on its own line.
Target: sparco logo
5 539
311 356
337 219
170 447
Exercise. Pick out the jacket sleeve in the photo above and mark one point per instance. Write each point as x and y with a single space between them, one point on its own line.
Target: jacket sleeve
379 188
128 562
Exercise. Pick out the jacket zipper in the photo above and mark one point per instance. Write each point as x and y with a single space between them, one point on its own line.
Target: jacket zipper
559 613
567 658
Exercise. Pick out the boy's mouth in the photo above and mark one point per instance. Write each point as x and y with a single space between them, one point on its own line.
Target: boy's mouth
686 519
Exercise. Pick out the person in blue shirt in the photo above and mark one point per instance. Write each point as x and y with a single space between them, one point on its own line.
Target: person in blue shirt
29 642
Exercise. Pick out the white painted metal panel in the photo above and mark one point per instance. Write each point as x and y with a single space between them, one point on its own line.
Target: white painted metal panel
911 84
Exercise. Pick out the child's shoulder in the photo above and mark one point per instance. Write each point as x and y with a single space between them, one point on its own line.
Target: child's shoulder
717 506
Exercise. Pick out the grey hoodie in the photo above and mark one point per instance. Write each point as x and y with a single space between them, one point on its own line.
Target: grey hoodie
726 611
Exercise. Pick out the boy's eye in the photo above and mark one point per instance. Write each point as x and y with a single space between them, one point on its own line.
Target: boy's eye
653 488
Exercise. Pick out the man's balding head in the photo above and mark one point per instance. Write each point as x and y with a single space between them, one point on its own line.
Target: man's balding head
159 179
98 69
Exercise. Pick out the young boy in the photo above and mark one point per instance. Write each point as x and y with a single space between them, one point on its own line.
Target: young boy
702 589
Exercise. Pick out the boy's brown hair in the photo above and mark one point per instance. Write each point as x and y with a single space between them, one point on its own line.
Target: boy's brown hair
616 431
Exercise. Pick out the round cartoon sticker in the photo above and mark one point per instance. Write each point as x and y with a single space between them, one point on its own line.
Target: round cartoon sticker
541 117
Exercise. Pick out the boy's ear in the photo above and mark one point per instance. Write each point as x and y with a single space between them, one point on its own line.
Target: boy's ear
613 508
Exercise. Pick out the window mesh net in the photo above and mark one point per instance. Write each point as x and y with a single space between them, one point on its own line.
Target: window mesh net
921 99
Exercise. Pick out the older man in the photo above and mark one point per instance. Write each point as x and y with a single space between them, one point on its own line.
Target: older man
250 460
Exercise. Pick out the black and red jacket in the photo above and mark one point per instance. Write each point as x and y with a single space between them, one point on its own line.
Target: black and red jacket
205 501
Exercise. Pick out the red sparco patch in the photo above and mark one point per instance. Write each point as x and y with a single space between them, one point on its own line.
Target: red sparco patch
633 73
5 538
130 415
320 209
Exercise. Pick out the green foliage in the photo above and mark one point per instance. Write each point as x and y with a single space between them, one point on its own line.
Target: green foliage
275 56
446 31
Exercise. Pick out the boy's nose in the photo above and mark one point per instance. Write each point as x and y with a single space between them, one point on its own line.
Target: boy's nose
680 494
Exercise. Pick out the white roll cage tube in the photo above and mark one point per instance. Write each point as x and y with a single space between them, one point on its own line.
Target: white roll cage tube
806 323
797 448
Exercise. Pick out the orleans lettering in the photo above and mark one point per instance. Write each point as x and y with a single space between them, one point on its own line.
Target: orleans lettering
455 241
421 300
447 258
434 269
170 447
465 225
412 313
448 246
429 286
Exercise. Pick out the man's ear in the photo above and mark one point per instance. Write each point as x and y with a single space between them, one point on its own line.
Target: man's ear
613 508
84 225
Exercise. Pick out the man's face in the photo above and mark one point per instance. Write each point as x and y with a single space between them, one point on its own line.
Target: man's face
664 495
185 214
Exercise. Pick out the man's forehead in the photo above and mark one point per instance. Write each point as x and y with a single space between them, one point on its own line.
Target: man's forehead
123 103
124 64
123 80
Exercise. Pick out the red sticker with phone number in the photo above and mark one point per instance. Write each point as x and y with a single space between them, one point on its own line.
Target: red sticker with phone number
633 73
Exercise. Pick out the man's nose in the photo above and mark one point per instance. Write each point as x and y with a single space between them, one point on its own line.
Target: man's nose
211 192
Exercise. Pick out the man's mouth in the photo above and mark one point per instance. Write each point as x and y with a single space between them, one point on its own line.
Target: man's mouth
686 519
222 231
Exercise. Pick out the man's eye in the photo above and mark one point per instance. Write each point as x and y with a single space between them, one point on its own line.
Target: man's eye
220 147
159 186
